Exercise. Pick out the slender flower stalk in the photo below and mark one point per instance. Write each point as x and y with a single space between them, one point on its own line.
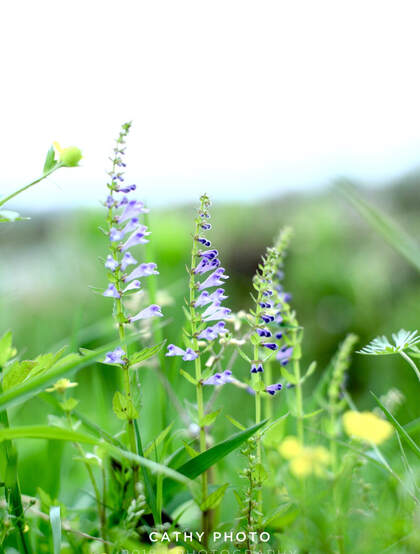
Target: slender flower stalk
204 307
125 231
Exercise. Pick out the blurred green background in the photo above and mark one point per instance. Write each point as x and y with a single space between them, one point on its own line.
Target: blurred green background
343 277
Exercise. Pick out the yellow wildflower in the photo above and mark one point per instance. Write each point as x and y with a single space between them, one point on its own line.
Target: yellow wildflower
304 460
366 426
61 385
70 156
290 448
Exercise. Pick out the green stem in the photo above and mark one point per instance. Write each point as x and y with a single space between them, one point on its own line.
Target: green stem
413 365
268 375
4 200
12 486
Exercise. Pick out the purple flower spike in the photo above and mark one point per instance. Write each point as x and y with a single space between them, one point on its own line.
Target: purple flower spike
219 378
206 265
272 389
174 351
218 313
115 235
132 286
189 355
110 263
284 354
203 299
211 333
112 292
214 280
127 260
143 270
115 357
203 241
257 367
152 311
270 345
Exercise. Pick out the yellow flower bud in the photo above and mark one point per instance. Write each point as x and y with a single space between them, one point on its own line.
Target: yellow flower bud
70 156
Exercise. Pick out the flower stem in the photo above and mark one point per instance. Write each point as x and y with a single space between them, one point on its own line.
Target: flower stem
413 365
44 176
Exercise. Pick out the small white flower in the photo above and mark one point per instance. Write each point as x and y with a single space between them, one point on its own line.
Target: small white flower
380 346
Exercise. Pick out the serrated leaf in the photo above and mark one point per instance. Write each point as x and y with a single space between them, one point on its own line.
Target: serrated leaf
123 407
214 499
50 161
146 353
208 419
188 377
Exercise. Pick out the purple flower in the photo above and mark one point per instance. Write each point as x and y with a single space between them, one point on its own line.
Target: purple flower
187 355
132 286
215 312
174 351
115 357
284 354
267 292
112 292
127 260
123 202
143 270
110 263
205 298
127 189
211 333
267 318
279 335
219 378
136 238
115 235
206 265
214 280
272 389
151 311
210 254
264 332
257 367
203 241
132 225
205 226
270 345
133 208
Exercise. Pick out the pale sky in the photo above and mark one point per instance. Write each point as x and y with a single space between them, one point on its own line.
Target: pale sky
228 97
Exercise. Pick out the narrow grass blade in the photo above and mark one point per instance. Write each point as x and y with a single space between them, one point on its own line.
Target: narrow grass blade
48 432
55 522
385 225
150 493
403 433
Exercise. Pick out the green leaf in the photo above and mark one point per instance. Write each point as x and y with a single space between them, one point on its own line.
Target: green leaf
259 473
235 423
201 463
399 239
146 353
69 404
6 349
289 376
244 356
23 391
309 371
19 372
214 499
50 161
210 418
404 435
55 522
273 434
188 377
8 216
123 407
